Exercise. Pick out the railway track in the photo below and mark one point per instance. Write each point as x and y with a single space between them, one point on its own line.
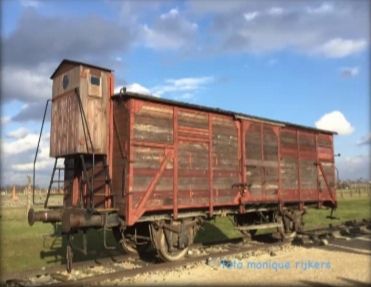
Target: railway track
125 266
89 272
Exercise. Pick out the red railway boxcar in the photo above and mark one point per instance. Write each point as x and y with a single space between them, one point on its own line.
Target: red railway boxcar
153 169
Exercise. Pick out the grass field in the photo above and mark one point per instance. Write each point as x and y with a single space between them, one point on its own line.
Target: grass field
24 247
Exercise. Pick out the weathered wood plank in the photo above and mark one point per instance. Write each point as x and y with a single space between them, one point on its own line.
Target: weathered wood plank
67 133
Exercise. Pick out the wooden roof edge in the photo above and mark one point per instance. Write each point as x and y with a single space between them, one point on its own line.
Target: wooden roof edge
78 63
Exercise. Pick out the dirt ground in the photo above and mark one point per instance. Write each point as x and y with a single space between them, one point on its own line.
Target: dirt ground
338 263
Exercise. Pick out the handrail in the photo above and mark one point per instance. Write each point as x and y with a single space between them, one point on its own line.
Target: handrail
85 125
37 151
50 184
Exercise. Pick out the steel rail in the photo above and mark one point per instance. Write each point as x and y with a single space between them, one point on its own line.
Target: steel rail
163 266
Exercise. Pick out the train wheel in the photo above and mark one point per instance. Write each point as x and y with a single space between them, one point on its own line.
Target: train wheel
127 245
172 239
168 253
291 223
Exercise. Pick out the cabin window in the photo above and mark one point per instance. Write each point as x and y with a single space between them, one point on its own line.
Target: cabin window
95 81
94 86
65 82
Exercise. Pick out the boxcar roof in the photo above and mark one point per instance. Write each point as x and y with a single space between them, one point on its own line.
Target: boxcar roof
77 63
214 110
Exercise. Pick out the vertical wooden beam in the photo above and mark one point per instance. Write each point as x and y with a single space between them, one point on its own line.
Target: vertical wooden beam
333 190
298 163
242 159
244 127
211 192
75 195
317 172
175 162
278 135
109 146
262 167
243 151
238 125
129 193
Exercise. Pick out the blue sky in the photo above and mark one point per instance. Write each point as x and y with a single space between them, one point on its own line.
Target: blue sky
305 62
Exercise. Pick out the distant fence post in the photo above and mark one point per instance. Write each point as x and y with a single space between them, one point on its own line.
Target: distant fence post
14 194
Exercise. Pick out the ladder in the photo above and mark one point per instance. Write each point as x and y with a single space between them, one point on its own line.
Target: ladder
99 175
59 181
96 177
88 165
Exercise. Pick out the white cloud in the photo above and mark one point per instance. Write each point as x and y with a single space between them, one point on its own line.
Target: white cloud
44 161
348 72
323 9
251 15
19 133
138 88
157 40
366 140
173 13
170 31
30 3
325 29
189 83
275 11
182 88
134 88
18 154
335 121
5 120
181 85
32 84
338 47
40 164
20 145
117 89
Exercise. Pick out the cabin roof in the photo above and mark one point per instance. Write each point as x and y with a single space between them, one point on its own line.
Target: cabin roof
215 110
77 63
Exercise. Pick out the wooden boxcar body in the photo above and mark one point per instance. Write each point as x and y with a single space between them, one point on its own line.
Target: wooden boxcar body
173 157
153 169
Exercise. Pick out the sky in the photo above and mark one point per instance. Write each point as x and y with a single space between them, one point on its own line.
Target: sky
305 62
